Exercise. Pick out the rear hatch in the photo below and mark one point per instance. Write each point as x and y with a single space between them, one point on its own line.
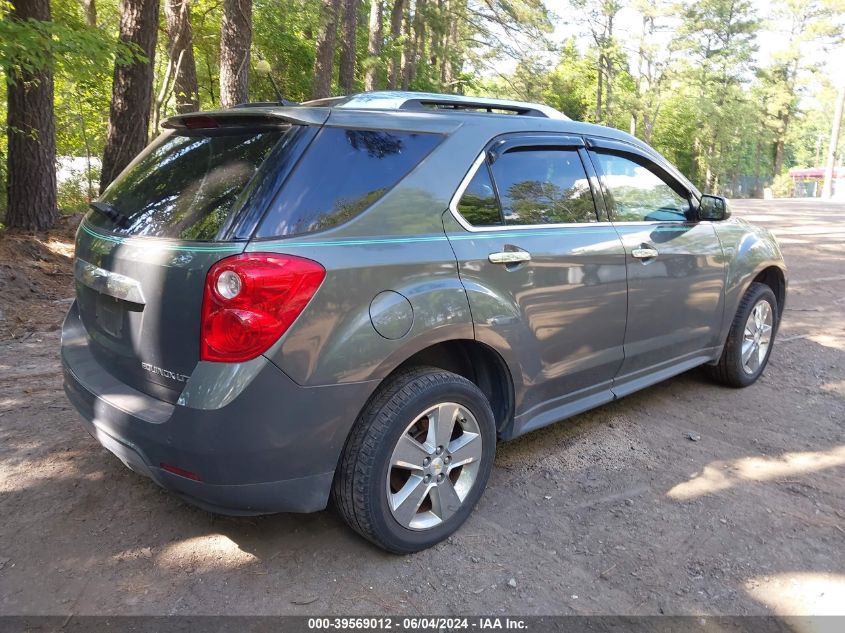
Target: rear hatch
144 250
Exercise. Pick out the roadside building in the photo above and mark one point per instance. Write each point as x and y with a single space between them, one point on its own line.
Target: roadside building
807 182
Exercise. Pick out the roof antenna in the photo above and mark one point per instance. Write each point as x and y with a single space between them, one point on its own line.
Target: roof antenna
263 68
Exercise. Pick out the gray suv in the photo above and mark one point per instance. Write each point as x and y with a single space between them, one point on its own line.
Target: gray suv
356 298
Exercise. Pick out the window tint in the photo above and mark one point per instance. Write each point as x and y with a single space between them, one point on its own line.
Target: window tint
638 193
478 205
183 186
543 186
342 173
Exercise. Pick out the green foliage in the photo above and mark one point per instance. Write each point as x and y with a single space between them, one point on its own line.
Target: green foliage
782 186
66 44
73 195
284 34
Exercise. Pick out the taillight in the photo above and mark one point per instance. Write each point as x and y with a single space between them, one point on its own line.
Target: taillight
251 300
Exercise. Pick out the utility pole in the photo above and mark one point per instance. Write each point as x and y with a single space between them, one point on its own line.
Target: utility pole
827 187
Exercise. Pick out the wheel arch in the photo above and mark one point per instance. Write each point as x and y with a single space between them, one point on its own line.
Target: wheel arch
773 277
478 363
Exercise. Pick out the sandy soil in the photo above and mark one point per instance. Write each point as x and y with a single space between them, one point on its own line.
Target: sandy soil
613 512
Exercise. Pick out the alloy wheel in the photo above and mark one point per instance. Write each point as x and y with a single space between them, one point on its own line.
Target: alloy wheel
757 336
433 466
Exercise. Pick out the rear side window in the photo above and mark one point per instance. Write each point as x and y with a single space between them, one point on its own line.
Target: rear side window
543 186
342 173
183 186
478 204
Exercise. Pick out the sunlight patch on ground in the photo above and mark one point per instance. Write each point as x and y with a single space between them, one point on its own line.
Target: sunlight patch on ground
721 475
802 593
834 341
204 553
836 387
60 247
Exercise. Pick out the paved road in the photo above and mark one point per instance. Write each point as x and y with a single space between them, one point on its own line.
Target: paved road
615 511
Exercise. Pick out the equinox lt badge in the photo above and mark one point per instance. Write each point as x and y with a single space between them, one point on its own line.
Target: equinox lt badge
165 373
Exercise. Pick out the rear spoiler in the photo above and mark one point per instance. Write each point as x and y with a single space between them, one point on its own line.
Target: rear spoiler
279 116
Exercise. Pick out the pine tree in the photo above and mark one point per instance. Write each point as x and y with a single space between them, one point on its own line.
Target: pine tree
181 52
132 89
32 136
235 43
326 43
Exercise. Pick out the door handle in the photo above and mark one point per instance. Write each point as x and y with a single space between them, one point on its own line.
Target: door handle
509 257
644 253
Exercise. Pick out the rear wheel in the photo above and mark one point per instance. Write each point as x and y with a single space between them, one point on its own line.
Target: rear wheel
417 460
749 343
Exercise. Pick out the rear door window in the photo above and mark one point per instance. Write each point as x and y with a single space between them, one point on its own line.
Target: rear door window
342 173
183 186
543 186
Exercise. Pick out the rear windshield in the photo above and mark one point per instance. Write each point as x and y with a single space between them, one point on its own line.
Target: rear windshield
343 172
183 186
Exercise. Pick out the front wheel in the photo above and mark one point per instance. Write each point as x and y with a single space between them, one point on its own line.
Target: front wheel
750 340
417 460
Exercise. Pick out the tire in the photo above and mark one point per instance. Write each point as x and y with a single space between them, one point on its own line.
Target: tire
369 486
731 369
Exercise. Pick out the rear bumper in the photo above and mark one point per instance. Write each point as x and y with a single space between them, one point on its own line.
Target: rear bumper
273 447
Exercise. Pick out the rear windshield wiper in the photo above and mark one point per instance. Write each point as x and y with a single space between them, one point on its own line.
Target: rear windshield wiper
110 212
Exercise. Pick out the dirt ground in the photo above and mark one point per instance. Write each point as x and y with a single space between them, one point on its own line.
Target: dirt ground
616 511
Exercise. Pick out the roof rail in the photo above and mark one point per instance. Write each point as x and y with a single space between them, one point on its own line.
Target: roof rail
265 104
471 105
427 101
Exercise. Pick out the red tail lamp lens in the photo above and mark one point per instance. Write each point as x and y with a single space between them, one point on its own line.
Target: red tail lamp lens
242 317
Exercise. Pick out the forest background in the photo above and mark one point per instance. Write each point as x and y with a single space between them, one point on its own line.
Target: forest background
734 92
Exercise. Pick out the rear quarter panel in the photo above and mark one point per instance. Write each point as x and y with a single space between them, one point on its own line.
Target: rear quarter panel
334 340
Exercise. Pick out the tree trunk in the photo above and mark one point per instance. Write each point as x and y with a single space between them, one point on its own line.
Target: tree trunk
326 42
235 42
210 74
648 123
435 40
777 158
409 51
89 8
32 137
374 44
396 15
181 51
132 89
419 52
599 79
451 61
608 64
638 103
348 48
830 163
710 175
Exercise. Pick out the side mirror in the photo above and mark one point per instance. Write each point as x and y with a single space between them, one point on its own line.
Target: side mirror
713 208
